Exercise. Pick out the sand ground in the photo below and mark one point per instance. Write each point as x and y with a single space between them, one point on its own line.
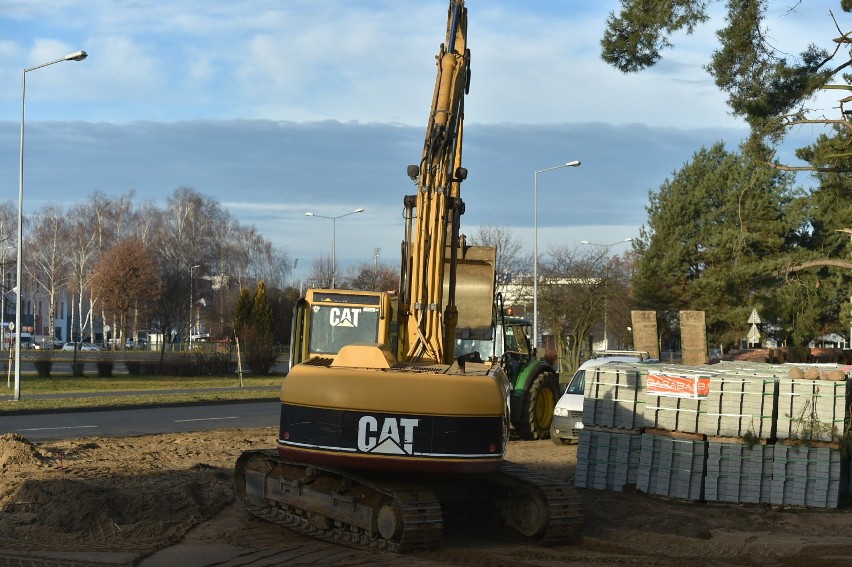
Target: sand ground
164 500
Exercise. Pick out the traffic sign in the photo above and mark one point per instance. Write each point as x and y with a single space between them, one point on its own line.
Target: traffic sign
753 335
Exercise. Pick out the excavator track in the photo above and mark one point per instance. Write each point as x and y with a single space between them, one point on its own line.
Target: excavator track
338 506
514 504
373 511
565 510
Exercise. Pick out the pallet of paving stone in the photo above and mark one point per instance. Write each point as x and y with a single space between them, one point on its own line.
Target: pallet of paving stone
737 472
740 405
815 477
613 397
812 410
607 460
676 397
672 465
674 414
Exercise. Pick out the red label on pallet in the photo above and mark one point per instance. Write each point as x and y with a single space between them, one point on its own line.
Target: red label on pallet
679 385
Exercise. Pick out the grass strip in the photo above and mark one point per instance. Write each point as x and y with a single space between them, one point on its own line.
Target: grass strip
183 390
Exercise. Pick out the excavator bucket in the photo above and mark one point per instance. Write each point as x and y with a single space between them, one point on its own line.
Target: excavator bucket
474 291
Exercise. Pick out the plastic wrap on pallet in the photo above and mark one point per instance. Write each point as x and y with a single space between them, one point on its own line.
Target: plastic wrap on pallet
739 405
812 410
808 476
738 473
672 467
612 397
607 460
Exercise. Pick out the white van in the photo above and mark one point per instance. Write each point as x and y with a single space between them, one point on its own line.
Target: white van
568 413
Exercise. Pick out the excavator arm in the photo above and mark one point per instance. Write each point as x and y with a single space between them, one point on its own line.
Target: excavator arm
433 250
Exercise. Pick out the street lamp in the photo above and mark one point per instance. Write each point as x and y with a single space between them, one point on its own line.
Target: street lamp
575 163
191 302
606 294
334 238
607 246
76 56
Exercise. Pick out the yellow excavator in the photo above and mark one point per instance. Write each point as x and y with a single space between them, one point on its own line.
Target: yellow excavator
387 433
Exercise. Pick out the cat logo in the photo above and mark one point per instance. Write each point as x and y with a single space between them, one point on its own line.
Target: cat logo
395 437
343 317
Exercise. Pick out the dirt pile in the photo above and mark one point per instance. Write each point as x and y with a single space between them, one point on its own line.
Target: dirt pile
129 494
17 451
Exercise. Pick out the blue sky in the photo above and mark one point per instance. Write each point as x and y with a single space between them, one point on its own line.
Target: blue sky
276 108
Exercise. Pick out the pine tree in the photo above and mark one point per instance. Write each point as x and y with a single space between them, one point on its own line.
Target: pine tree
253 326
261 316
242 313
716 232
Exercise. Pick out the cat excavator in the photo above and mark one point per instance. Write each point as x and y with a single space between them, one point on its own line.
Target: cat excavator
386 434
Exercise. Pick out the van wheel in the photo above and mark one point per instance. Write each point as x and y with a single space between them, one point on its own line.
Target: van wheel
537 412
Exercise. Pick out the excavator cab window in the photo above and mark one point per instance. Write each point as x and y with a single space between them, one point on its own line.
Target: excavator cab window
485 348
335 326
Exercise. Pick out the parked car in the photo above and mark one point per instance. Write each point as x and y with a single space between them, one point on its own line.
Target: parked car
83 347
48 344
568 413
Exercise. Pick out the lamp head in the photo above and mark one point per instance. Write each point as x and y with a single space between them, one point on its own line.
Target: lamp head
76 56
309 214
575 163
359 210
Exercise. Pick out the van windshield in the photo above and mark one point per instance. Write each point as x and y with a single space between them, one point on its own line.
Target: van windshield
577 384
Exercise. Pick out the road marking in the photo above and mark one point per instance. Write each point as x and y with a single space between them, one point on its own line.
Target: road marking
207 418
67 427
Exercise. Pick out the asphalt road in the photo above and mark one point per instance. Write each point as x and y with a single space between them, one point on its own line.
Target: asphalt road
144 421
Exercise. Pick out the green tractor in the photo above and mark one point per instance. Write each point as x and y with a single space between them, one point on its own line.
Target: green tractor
535 383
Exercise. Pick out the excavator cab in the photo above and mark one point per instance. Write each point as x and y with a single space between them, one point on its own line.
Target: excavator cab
326 320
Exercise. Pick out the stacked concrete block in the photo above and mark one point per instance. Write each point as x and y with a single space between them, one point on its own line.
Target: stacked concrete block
725 445
679 406
812 410
674 414
738 473
672 467
613 397
808 476
607 460
740 405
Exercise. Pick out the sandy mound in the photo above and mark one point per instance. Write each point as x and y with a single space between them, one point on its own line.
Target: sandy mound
128 494
16 450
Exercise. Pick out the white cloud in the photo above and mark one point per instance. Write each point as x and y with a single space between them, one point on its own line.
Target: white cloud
340 92
369 61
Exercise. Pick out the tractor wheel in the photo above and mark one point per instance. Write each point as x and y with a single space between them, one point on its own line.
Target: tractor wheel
537 412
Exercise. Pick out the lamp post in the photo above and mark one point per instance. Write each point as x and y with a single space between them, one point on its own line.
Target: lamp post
334 238
575 163
606 292
76 56
191 302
